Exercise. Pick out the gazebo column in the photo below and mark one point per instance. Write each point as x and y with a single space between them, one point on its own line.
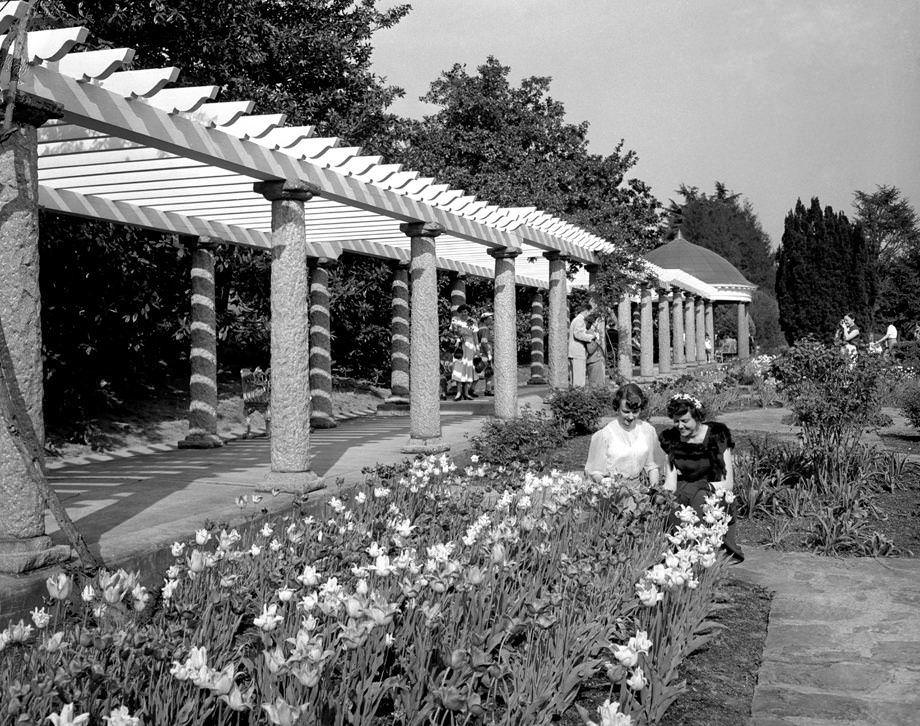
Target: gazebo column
397 404
690 329
290 338
664 333
320 344
202 409
457 292
558 321
23 542
646 334
424 342
677 329
744 333
504 345
700 330
537 367
624 337
711 326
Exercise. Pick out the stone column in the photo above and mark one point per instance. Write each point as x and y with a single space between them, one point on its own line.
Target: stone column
744 333
290 338
700 330
677 329
398 401
457 292
690 329
664 333
537 369
711 326
23 542
504 344
202 409
424 342
320 345
558 322
646 334
624 337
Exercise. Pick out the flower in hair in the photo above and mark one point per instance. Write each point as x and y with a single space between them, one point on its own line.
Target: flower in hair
687 398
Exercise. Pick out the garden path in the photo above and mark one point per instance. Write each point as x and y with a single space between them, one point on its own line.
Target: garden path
131 506
843 642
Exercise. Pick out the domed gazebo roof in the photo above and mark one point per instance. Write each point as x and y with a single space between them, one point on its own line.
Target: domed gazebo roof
704 264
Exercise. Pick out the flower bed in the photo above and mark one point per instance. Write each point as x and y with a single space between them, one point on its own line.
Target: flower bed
431 596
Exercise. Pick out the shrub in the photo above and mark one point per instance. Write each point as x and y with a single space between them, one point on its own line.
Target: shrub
832 398
910 403
522 439
579 409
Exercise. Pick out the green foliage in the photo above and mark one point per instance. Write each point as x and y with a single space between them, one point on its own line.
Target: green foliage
580 409
899 292
833 399
910 404
526 438
825 270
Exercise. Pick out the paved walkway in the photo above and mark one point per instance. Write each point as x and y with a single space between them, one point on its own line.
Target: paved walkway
132 506
843 643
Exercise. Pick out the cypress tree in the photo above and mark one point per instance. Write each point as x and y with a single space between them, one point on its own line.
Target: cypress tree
824 271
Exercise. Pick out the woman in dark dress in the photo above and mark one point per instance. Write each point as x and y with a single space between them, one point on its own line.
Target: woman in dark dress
699 460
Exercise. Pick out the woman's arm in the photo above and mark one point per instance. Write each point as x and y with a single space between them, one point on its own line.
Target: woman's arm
850 334
670 478
596 465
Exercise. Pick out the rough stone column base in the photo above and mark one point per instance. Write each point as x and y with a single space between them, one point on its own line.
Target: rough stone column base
23 555
201 440
425 446
323 421
394 406
536 381
292 482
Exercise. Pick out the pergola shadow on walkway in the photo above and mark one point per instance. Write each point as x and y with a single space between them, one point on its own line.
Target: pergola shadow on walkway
90 138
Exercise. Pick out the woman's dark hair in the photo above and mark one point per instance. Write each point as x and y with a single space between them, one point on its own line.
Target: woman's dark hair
677 407
634 397
463 308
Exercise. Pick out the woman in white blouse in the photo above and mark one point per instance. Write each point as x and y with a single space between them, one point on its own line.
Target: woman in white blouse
627 446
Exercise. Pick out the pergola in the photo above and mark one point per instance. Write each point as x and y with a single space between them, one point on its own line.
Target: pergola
93 138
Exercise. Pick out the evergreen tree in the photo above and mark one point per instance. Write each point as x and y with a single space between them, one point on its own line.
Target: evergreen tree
824 272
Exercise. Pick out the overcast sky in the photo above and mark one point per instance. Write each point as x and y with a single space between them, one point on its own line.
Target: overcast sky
778 100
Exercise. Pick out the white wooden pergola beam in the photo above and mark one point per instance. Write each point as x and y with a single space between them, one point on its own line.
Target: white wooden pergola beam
221 113
183 100
139 84
93 64
254 127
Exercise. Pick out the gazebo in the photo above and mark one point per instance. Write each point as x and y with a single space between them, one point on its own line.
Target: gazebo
94 134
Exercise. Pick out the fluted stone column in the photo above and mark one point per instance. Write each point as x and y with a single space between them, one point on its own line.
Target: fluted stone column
744 333
646 334
700 323
23 542
711 326
679 338
664 333
398 401
558 322
290 338
457 292
624 337
537 367
424 342
504 345
320 344
202 409
690 329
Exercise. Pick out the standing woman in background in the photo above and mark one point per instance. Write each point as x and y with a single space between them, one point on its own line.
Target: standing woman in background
467 345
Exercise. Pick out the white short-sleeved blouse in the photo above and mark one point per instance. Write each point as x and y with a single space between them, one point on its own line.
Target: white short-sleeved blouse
614 450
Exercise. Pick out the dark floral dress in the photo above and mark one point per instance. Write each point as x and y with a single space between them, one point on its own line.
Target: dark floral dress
698 465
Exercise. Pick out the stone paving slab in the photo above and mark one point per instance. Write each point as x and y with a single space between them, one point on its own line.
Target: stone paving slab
843 643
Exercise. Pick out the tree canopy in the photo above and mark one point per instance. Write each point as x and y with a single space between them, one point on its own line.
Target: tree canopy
513 146
825 271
